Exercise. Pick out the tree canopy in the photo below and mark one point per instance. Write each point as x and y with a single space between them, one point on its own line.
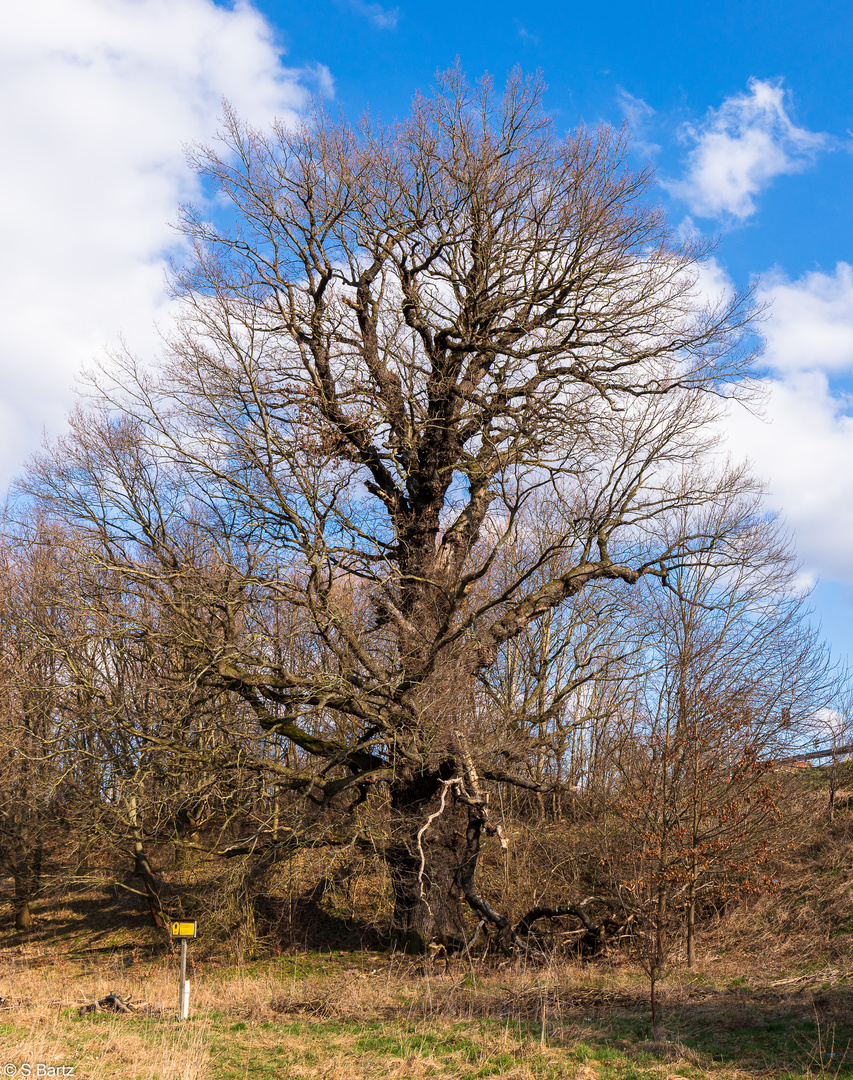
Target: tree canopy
433 383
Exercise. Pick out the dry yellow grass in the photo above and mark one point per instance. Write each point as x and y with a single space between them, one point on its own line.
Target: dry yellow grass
35 1027
352 1017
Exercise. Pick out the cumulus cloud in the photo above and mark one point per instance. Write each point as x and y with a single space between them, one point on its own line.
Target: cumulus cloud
740 148
811 325
101 95
800 448
803 444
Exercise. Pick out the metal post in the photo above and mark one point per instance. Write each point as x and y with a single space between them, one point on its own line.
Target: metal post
182 930
183 996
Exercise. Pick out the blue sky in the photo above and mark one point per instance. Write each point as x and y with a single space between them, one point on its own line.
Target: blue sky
677 59
745 109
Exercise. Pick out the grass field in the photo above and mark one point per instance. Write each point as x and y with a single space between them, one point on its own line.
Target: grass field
771 996
375 1015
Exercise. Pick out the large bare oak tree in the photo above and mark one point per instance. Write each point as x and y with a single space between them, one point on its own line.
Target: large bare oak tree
396 342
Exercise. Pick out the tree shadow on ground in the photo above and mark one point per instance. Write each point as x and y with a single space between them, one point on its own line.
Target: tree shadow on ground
756 1031
306 920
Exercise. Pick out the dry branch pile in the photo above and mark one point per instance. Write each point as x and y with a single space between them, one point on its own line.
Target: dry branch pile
114 1003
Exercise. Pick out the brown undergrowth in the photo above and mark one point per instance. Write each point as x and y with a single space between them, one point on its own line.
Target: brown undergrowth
806 922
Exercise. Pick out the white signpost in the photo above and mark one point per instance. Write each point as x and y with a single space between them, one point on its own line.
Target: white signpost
183 931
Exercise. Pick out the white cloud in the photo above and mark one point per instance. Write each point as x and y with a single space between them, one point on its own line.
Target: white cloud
803 446
740 148
639 115
101 95
713 285
829 725
811 321
802 449
384 18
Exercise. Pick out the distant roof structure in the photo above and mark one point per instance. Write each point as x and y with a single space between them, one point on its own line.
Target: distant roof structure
835 751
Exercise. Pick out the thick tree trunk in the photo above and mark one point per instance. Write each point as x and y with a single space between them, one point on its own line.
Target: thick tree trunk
427 908
435 876
424 864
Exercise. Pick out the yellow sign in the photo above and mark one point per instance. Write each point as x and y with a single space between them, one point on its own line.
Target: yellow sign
183 929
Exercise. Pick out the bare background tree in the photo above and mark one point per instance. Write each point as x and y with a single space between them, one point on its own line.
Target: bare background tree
29 721
729 676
